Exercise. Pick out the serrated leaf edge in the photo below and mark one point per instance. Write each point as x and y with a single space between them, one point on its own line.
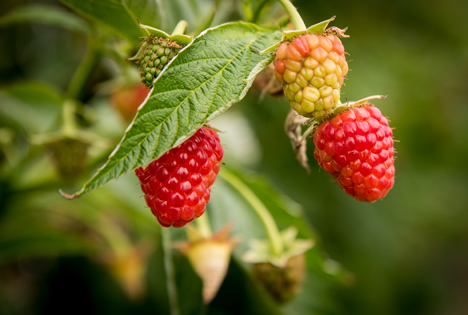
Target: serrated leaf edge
251 76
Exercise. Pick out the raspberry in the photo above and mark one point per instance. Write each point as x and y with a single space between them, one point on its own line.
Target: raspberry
154 54
312 69
177 186
356 148
127 99
69 157
282 283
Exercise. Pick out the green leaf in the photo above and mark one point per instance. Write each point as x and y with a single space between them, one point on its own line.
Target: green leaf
45 14
112 14
179 38
203 81
30 105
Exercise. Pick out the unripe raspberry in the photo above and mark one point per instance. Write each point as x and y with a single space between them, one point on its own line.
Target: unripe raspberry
177 186
153 56
312 69
282 283
356 148
69 157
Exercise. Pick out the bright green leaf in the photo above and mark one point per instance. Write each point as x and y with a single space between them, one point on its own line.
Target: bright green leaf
206 78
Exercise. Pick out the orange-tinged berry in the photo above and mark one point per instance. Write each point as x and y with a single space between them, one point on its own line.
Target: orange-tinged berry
316 61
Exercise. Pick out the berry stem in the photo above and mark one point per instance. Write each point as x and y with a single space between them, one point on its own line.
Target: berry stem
276 243
203 225
69 126
180 28
295 17
169 270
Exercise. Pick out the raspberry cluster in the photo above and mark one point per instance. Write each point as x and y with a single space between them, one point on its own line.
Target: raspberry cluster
177 186
312 69
356 148
155 53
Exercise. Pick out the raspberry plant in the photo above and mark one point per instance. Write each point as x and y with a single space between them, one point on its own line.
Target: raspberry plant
177 156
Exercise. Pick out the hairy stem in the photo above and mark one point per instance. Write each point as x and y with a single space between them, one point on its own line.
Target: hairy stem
295 17
271 229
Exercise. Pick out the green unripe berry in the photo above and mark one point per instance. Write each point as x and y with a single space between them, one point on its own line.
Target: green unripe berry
157 62
167 51
164 60
149 77
153 71
160 52
164 44
155 47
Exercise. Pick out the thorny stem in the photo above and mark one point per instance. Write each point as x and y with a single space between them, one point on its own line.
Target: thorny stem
295 17
180 28
169 270
274 237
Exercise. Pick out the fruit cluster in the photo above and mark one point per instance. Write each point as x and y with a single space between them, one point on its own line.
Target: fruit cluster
177 186
312 69
356 148
155 53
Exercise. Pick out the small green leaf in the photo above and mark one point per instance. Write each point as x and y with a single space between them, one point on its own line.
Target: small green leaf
45 14
204 80
179 38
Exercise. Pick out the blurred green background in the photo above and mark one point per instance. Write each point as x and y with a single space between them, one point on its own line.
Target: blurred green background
408 254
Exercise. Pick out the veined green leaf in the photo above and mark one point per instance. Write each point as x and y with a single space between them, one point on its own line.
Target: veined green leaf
204 80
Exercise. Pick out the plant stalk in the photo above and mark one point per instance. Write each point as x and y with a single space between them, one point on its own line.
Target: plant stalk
295 17
180 28
271 229
83 72
203 225
169 270
69 125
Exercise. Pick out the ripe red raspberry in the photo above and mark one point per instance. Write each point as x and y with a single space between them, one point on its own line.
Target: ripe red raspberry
177 186
356 148
312 69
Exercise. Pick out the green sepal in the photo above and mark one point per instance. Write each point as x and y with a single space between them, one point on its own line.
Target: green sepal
178 38
289 35
319 27
261 251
